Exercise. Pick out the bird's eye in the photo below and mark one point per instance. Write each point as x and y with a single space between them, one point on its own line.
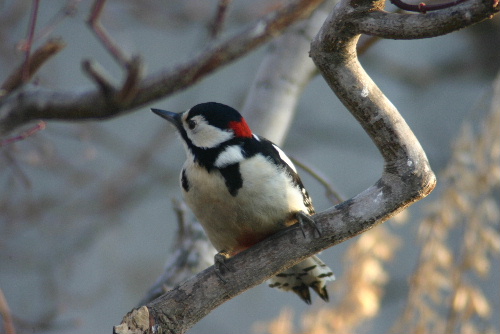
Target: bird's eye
191 124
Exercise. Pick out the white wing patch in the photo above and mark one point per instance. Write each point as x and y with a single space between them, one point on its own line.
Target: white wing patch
231 155
285 158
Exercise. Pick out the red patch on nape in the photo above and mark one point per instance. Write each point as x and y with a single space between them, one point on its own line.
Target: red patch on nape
241 128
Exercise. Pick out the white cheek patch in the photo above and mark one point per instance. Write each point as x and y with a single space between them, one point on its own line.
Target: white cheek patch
285 158
205 135
231 155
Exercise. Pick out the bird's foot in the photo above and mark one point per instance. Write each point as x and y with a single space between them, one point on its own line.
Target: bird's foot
220 265
304 219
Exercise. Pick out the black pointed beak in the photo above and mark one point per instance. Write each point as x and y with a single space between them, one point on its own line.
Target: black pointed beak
172 117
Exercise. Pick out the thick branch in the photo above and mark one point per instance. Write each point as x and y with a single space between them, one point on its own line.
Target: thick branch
31 103
190 254
432 24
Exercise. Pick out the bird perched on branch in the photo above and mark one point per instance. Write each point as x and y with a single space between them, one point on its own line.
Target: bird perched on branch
243 188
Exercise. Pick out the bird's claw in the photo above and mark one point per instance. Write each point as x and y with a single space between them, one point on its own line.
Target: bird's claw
219 262
304 219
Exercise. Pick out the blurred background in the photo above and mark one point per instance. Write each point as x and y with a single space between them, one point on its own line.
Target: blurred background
86 217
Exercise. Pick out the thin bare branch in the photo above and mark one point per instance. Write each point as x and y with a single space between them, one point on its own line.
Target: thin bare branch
28 133
6 316
99 76
21 74
130 86
94 22
29 40
69 10
333 196
32 103
220 17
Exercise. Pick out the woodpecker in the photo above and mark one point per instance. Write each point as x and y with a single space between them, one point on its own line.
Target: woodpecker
243 188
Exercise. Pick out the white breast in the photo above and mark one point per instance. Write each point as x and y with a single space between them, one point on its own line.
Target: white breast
261 207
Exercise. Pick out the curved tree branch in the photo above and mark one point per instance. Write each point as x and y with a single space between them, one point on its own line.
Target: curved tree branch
406 177
422 7
32 103
414 26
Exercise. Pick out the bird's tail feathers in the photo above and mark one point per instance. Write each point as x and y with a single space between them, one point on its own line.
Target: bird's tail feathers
310 273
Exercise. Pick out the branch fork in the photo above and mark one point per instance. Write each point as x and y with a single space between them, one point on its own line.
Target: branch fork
133 66
29 103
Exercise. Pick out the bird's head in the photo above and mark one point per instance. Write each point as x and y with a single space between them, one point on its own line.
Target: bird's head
208 125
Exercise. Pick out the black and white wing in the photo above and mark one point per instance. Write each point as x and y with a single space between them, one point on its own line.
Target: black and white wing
277 156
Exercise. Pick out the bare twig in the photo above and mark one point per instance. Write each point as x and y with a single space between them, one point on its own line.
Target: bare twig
31 131
68 10
8 322
49 104
33 62
29 40
220 17
131 83
98 75
94 22
133 66
333 196
29 67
